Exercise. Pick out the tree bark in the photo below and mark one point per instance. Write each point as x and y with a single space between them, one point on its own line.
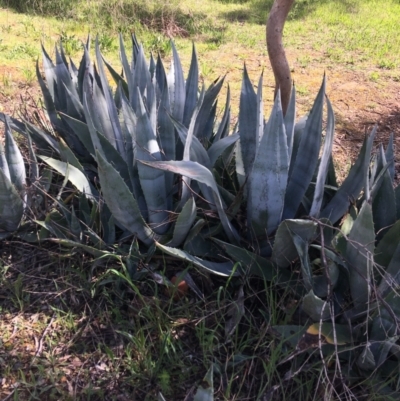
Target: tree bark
276 52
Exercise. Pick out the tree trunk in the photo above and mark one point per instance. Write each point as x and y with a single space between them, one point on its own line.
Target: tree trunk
276 21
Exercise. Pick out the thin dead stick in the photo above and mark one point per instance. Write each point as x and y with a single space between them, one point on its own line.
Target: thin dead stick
39 349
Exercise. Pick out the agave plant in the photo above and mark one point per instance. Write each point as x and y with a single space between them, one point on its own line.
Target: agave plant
12 185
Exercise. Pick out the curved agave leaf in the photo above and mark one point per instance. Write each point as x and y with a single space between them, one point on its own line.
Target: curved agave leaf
15 162
324 163
219 146
306 157
251 262
284 251
391 278
11 204
315 307
387 246
77 178
352 185
184 223
205 391
195 171
151 181
121 203
384 202
203 126
268 177
222 269
81 130
359 254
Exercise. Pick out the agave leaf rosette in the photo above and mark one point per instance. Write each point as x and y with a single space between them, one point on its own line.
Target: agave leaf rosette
150 115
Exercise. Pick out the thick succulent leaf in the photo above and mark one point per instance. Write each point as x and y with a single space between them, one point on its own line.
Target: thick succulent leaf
387 246
33 164
359 255
68 156
391 277
111 108
43 141
268 177
218 147
4 163
315 307
306 157
48 98
202 129
384 203
239 166
85 67
284 251
11 204
195 171
184 223
152 181
76 177
221 269
248 123
260 129
324 163
117 77
192 87
176 86
251 263
302 250
49 72
81 130
205 392
15 161
289 120
352 185
223 129
389 154
121 203
397 196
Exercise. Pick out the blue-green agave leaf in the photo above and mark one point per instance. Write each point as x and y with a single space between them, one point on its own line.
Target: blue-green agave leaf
151 180
16 166
111 108
248 123
284 251
324 163
389 154
302 246
352 185
289 120
359 255
387 246
176 86
81 130
219 146
184 223
195 171
223 129
205 117
306 157
76 177
268 177
251 263
384 202
221 269
315 307
121 203
11 205
391 277
192 87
